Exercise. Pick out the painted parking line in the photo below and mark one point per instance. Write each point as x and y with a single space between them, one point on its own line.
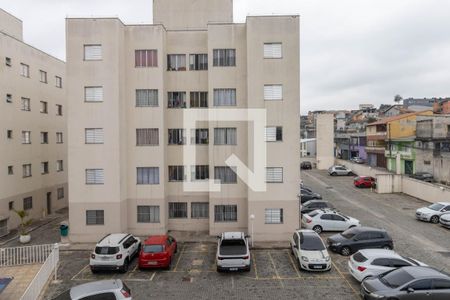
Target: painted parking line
293 265
275 269
79 272
179 257
343 277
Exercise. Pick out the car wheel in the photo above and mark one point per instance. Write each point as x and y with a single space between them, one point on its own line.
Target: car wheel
299 265
350 174
218 270
125 266
345 251
94 271
318 229
333 174
169 264
387 247
434 219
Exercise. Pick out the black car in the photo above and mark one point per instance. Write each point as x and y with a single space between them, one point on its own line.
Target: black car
306 165
358 238
306 195
312 205
424 176
408 283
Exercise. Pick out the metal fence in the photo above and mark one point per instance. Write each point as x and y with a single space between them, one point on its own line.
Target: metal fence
26 255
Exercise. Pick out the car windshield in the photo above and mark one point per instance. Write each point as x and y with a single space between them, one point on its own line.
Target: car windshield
153 248
436 206
312 243
396 278
348 234
106 250
344 216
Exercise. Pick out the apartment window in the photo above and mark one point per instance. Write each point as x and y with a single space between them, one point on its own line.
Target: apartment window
146 98
198 62
199 172
26 137
26 104
148 214
44 108
147 137
8 98
274 175
10 170
43 76
177 137
199 210
176 62
11 205
224 136
59 111
59 138
8 61
93 94
225 174
95 176
26 170
44 167
224 97
224 57
146 58
176 100
59 166
44 137
60 193
199 136
274 134
176 173
273 216
93 135
92 52
225 213
273 92
27 203
9 134
272 50
95 217
58 82
177 210
24 70
199 99
147 175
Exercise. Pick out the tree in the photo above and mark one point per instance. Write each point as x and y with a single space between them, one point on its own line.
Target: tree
398 98
22 214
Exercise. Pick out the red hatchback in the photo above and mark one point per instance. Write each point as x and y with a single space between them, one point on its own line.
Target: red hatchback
365 182
157 252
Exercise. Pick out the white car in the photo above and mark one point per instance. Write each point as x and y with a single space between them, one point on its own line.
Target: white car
114 252
328 220
372 262
233 252
309 251
445 220
340 170
433 212
114 289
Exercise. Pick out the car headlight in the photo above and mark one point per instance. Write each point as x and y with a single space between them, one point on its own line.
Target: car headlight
304 258
376 296
336 244
327 258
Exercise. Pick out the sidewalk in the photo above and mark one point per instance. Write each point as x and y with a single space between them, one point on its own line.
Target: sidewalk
21 278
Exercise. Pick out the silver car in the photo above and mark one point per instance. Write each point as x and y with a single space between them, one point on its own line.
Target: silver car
104 289
433 212
445 220
340 170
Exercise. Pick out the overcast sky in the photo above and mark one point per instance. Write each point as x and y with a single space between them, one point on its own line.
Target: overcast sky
352 51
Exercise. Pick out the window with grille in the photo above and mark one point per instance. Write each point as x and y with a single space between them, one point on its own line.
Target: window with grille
8 61
44 109
273 50
199 210
225 174
177 210
25 70
93 52
26 137
147 175
176 62
26 106
273 216
198 62
95 176
225 213
146 98
44 167
147 137
60 193
94 136
43 75
274 134
146 58
176 137
224 97
200 172
59 166
225 136
199 136
274 174
198 99
148 214
224 57
8 98
11 205
93 94
59 111
9 134
176 173
44 137
176 100
95 217
59 138
273 92
10 170
58 82
27 203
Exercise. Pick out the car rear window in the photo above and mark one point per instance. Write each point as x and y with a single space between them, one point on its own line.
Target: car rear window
153 248
359 257
313 213
312 243
106 250
396 278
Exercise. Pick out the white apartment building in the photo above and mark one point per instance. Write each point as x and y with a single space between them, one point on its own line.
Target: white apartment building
33 160
129 88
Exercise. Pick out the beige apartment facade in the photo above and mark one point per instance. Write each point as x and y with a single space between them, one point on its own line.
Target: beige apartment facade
130 91
33 160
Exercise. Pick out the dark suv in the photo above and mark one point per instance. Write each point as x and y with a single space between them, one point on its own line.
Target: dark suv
306 165
312 205
358 238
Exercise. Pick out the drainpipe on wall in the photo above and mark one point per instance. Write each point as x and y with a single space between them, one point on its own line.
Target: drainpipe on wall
398 164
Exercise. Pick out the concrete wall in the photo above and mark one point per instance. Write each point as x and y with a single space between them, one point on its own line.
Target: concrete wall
426 191
325 141
11 25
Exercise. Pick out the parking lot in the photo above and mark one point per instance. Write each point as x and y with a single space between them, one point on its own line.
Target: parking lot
274 273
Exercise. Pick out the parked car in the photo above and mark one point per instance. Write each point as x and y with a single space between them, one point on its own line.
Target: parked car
308 189
105 289
340 170
424 176
310 251
114 252
357 160
373 262
328 220
433 212
233 252
445 220
312 205
358 238
306 195
365 182
157 252
306 165
408 283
